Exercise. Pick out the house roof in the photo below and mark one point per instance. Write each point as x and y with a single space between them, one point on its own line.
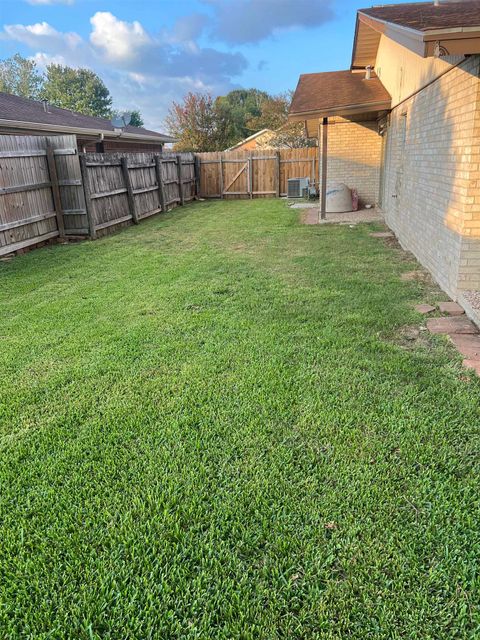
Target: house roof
446 29
337 93
252 137
17 112
425 16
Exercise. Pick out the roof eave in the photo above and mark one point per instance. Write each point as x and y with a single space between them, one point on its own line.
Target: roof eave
462 40
344 110
41 126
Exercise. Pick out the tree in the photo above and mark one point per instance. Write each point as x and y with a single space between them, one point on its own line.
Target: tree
273 113
194 123
20 77
136 120
77 89
235 110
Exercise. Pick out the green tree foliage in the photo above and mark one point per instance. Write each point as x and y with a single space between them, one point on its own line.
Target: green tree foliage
136 120
20 77
235 110
77 89
273 113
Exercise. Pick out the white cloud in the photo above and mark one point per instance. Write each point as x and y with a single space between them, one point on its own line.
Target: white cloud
120 41
142 70
42 35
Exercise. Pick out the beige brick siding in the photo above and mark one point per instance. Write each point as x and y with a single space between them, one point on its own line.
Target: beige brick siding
432 176
354 154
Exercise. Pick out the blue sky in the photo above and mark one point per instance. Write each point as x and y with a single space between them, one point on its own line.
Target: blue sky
152 52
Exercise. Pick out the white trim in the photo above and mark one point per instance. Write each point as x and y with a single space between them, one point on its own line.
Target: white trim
41 126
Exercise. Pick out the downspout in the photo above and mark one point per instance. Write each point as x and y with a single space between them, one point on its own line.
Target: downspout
323 192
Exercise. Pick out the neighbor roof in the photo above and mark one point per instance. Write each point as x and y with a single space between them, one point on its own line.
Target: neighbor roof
337 91
17 110
425 16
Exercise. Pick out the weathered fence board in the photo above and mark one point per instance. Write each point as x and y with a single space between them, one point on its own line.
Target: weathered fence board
127 187
261 173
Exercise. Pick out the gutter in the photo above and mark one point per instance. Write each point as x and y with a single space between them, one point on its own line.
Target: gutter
18 124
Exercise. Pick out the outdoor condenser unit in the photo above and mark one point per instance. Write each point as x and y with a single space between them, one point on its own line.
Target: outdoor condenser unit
298 187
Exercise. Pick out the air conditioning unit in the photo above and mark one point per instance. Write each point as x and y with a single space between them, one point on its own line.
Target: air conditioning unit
298 187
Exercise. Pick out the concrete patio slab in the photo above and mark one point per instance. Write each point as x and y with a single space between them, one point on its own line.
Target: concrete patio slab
382 234
450 325
312 216
452 308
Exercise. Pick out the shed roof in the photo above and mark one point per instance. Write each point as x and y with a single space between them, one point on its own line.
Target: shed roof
425 16
337 92
16 109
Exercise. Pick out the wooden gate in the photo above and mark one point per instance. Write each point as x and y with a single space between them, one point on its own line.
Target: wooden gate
261 173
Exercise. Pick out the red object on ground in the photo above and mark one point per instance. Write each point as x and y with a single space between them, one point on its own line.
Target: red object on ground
354 200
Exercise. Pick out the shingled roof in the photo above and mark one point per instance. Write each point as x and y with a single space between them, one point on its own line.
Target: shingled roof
425 16
18 109
323 93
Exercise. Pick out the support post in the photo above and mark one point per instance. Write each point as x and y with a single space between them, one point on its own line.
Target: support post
88 199
221 176
180 179
159 178
57 201
323 208
277 174
128 185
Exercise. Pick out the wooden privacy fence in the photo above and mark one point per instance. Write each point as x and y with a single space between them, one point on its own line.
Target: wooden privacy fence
48 190
254 174
41 190
120 188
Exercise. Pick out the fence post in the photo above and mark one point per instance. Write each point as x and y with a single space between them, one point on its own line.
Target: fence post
197 176
57 201
128 184
180 179
88 200
250 177
161 189
221 176
277 173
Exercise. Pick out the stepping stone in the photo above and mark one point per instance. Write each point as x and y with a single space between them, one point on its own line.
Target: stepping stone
424 308
472 364
459 324
381 234
452 308
467 345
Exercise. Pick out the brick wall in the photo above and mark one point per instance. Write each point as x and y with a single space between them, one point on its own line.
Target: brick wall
432 178
354 155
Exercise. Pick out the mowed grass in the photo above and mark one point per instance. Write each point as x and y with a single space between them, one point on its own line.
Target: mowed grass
216 425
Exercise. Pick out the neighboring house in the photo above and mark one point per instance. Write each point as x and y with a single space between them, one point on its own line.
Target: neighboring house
257 140
402 125
21 116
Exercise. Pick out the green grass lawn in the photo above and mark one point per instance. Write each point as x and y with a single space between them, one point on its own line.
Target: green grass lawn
221 424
